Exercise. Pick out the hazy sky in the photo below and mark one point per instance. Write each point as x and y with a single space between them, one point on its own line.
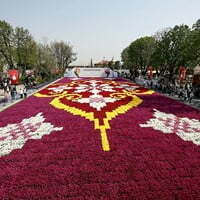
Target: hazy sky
95 28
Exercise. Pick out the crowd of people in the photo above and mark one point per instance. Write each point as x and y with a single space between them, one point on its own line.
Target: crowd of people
184 90
10 92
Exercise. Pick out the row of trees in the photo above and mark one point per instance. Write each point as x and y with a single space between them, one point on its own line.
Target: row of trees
18 49
167 50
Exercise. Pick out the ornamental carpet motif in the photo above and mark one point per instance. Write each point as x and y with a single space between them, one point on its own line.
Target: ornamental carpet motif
92 138
96 100
187 129
14 136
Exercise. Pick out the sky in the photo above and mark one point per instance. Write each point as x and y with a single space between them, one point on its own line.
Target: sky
97 29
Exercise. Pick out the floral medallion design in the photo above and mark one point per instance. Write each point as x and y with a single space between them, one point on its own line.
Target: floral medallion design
99 101
187 129
14 136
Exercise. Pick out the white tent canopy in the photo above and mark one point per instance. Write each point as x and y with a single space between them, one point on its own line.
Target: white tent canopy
89 72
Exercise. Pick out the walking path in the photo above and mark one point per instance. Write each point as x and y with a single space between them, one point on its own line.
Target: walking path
194 103
6 104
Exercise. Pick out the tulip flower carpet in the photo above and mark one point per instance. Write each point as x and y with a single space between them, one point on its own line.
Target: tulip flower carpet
104 139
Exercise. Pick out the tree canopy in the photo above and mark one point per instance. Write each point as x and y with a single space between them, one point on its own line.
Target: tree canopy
18 49
167 50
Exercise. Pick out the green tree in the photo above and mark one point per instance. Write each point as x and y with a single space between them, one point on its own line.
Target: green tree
63 54
125 58
18 48
139 53
45 61
171 47
6 43
117 64
192 52
2 63
25 49
196 26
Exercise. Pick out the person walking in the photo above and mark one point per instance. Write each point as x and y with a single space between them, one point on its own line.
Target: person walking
25 92
6 96
12 94
21 93
4 84
107 71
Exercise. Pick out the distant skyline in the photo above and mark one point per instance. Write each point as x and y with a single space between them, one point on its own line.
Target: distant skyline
97 29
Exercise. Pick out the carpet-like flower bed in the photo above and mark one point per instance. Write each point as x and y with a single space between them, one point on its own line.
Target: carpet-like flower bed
99 139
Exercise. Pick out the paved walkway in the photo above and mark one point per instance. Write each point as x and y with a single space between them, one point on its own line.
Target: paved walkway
9 102
194 103
5 104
